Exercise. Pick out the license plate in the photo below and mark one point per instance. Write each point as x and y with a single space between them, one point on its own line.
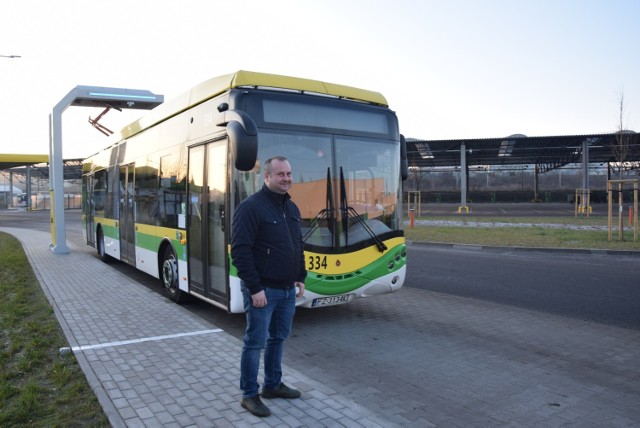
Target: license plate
332 300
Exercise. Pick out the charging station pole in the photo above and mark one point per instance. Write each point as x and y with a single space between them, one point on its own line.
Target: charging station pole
83 96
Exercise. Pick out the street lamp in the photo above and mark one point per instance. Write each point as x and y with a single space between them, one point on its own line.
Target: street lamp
10 56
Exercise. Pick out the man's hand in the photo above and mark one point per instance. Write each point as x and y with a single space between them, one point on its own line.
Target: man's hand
300 286
259 299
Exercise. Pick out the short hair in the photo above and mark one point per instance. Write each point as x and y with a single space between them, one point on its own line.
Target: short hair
267 163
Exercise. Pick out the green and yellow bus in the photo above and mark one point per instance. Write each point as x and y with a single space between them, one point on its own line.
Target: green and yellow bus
161 197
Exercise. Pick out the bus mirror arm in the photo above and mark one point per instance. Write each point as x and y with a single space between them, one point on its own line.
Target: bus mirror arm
248 125
243 138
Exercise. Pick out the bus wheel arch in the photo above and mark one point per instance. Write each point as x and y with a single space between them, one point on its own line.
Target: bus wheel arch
168 268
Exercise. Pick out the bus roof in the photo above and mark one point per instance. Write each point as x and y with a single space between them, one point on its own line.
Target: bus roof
213 87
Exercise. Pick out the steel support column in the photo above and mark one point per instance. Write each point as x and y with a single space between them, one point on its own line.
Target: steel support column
463 179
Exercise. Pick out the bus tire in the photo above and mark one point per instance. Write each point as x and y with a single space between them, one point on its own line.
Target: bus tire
102 253
169 276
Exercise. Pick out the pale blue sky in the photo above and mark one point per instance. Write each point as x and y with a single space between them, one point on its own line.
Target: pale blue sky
450 69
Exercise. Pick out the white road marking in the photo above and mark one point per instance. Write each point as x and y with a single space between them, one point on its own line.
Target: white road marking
144 339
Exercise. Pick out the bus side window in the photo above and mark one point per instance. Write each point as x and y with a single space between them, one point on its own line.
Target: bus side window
146 193
171 190
99 192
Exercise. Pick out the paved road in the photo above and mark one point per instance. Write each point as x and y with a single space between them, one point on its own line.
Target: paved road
593 286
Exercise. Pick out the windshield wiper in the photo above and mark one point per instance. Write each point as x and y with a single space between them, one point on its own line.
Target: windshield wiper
350 212
327 213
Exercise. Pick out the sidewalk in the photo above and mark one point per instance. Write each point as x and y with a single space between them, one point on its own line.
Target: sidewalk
152 363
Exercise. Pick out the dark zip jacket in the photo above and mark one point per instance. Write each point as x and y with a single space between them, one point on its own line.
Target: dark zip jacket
266 241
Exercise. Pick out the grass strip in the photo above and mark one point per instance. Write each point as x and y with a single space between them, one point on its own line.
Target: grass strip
536 236
38 386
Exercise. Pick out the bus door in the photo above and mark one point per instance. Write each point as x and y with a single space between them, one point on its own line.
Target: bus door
127 222
206 225
88 209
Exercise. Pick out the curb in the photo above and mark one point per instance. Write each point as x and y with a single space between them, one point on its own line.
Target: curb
474 247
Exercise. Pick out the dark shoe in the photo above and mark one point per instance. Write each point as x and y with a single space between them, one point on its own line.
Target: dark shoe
255 406
283 391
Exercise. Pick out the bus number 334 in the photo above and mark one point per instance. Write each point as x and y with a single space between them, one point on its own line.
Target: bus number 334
316 262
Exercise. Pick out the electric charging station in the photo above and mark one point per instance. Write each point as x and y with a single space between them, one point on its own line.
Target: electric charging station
84 96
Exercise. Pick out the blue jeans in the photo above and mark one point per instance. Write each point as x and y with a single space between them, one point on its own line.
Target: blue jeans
267 328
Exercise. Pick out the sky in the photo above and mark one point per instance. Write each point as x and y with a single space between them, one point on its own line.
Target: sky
450 69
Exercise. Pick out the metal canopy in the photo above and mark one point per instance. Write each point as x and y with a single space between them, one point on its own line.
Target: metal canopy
8 161
118 98
546 152
72 169
84 96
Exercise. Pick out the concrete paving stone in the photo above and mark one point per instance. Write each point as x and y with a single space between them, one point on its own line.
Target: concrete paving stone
221 423
129 393
348 422
121 403
191 394
182 400
215 389
135 423
114 392
308 422
152 422
208 397
211 413
192 410
331 413
155 406
128 413
230 398
164 398
184 419
201 403
315 413
137 402
144 413
141 388
290 421
174 409
220 405
149 381
231 415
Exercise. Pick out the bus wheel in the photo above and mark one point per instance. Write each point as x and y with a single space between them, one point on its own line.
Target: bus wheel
169 276
101 249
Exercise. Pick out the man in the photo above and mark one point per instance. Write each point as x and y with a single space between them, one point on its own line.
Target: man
266 248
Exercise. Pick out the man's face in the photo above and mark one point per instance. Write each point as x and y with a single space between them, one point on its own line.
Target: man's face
279 181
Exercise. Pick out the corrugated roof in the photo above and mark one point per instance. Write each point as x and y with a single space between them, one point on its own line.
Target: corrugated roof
547 152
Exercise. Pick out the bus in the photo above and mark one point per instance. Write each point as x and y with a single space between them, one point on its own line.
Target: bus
161 196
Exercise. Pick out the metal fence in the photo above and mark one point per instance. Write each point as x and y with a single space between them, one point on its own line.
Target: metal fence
42 201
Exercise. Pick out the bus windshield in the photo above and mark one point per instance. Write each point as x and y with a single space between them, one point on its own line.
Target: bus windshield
347 188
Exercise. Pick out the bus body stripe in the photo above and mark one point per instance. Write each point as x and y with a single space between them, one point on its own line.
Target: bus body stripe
337 264
361 268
